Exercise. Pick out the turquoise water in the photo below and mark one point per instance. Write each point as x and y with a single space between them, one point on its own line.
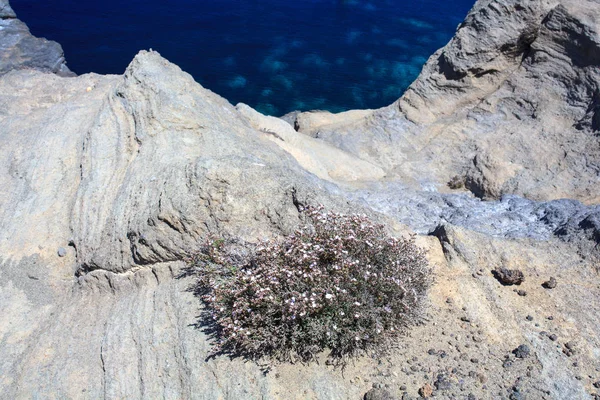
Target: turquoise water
276 56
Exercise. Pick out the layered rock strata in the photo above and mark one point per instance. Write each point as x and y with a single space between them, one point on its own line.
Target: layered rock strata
509 106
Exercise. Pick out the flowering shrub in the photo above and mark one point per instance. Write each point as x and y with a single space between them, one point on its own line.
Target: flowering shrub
338 283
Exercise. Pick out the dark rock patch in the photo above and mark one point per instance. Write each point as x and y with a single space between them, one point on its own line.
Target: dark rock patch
509 277
378 394
522 351
550 283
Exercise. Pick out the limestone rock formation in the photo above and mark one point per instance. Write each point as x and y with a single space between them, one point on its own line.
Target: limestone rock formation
19 49
110 182
509 106
129 174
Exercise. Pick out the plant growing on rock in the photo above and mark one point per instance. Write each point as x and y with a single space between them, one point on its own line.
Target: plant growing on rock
338 283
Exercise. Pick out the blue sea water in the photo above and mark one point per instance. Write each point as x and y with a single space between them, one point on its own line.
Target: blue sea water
275 55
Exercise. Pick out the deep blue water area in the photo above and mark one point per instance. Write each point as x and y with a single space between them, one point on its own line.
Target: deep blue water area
275 55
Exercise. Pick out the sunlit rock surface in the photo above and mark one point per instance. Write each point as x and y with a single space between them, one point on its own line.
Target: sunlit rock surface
110 182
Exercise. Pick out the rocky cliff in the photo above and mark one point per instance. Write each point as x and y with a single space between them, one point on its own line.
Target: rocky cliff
110 182
509 106
19 49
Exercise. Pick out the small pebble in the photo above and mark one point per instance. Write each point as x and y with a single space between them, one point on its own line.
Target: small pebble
550 283
553 337
509 277
522 351
597 385
529 318
426 391
570 345
442 383
521 293
61 252
378 394
569 353
550 318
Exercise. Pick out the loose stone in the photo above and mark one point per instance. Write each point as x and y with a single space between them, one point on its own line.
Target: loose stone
426 391
550 283
509 277
522 351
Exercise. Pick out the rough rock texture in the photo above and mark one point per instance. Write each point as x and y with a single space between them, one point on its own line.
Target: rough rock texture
110 182
20 50
509 277
510 105
325 161
129 176
6 11
145 165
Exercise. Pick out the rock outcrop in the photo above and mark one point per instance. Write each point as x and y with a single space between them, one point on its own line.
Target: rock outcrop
6 11
19 49
509 106
111 182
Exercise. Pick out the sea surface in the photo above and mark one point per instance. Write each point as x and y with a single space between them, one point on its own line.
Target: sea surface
275 55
